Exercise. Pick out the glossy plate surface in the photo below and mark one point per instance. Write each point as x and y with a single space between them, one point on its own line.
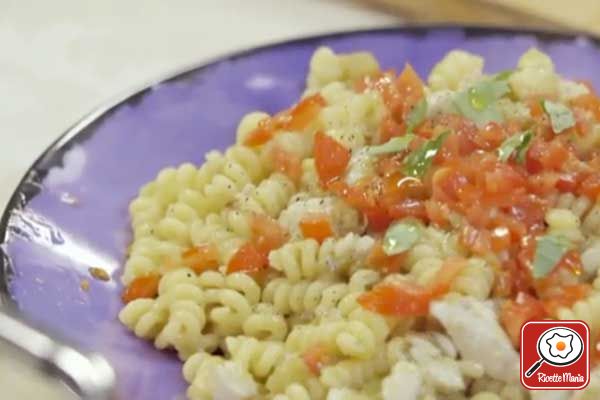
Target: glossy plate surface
70 211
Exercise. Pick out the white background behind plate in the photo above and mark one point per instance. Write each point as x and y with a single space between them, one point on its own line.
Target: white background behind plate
59 59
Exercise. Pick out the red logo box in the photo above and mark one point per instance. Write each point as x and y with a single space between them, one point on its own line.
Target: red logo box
555 355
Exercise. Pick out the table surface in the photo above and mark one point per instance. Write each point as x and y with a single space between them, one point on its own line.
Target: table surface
60 59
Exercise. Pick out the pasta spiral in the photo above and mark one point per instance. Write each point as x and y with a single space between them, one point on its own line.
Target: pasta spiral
319 295
265 323
269 197
309 180
326 67
288 297
175 319
147 254
257 357
307 259
292 369
455 70
354 373
351 118
234 304
215 188
294 392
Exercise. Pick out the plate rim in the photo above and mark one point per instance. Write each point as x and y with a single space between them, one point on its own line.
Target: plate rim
29 185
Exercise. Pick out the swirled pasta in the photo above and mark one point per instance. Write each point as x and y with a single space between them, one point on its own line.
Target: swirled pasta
269 197
382 233
176 319
307 259
354 373
257 357
266 323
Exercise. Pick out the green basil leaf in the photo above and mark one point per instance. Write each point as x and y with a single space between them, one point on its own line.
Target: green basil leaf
417 162
416 115
561 117
401 236
503 75
548 252
393 145
516 144
478 103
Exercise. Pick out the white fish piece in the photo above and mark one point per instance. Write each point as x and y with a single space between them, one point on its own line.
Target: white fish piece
478 336
445 375
232 382
404 383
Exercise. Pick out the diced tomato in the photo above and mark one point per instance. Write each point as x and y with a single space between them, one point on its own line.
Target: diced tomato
305 112
535 108
248 259
381 261
317 357
437 213
201 258
331 158
287 163
316 226
500 239
294 119
546 156
143 287
404 196
589 102
529 210
259 136
267 234
515 275
378 219
566 296
409 85
363 196
532 162
405 299
590 186
401 299
514 313
446 275
408 208
491 136
479 241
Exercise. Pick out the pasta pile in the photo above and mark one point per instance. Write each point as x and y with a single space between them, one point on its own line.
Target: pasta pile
380 239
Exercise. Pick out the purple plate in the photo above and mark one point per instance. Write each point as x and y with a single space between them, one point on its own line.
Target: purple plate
70 211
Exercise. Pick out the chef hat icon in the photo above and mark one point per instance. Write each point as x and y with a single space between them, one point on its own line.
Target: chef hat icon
560 346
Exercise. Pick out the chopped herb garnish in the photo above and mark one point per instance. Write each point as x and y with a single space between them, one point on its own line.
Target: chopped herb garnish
561 117
549 251
416 115
417 162
516 144
393 145
401 236
478 103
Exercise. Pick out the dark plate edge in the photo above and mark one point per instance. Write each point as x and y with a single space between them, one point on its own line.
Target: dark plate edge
30 185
